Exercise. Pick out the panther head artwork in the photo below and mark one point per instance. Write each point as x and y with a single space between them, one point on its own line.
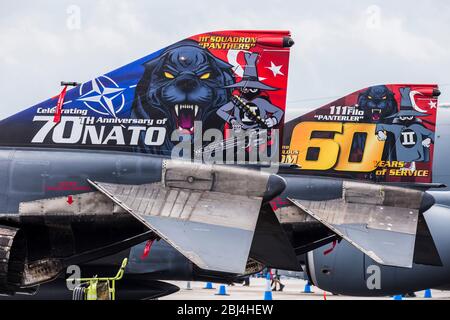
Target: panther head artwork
378 103
186 83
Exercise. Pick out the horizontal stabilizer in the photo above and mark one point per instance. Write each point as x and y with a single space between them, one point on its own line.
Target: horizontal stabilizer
378 220
194 212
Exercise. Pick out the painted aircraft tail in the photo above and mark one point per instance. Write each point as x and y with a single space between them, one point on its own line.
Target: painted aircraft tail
227 81
139 107
383 133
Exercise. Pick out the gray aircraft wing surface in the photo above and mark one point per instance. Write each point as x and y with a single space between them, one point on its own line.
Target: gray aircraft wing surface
381 221
207 213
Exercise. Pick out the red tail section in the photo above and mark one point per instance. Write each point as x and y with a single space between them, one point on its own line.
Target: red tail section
383 133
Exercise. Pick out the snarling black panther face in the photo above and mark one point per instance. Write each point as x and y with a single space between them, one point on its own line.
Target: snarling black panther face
185 84
378 102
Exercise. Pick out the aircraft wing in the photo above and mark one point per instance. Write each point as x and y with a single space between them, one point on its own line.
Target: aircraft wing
208 213
381 221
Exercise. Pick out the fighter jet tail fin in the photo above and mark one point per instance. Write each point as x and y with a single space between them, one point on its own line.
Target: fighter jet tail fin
382 133
140 106
425 250
270 245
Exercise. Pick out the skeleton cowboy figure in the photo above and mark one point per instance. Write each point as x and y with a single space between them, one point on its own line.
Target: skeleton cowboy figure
412 138
250 93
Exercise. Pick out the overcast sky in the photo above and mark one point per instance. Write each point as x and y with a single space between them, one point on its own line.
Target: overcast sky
341 46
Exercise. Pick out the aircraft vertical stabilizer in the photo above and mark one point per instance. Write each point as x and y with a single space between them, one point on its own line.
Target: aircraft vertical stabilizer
383 133
221 80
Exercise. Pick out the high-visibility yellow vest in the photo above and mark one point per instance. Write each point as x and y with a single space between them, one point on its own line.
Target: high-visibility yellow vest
92 290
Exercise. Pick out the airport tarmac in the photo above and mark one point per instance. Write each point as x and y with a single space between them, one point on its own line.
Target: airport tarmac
293 291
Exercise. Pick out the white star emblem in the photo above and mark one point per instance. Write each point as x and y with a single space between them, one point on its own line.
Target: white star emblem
275 69
433 104
101 97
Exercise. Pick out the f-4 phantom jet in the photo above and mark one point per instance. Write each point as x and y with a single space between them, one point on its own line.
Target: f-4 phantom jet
189 145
